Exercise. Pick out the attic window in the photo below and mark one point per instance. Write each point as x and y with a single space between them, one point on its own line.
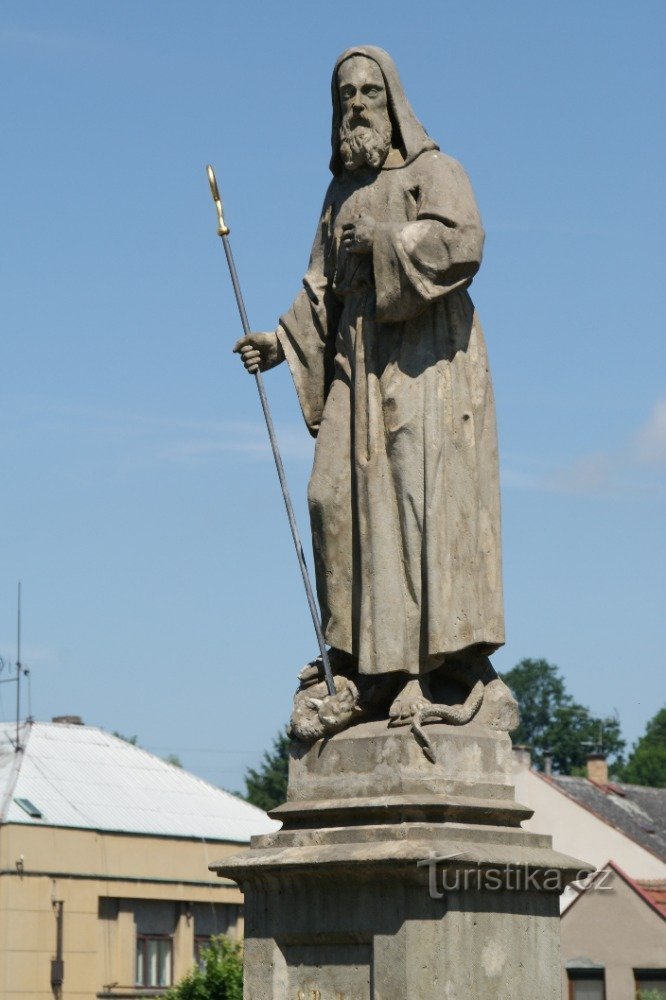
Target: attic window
29 807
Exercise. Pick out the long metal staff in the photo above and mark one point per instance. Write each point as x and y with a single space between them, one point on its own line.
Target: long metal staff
223 233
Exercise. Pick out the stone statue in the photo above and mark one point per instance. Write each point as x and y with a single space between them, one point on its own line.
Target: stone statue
390 367
389 362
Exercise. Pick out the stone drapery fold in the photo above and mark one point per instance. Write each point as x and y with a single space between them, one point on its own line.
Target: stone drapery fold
390 365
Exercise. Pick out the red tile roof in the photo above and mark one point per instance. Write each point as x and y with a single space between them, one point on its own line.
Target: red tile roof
656 890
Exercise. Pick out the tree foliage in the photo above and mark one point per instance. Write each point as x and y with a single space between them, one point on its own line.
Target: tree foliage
220 976
133 740
170 758
647 761
266 787
551 721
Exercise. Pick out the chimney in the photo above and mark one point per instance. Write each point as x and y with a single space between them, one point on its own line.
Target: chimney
597 768
68 720
522 757
548 763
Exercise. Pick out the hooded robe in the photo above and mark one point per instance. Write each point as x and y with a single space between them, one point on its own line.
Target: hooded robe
389 362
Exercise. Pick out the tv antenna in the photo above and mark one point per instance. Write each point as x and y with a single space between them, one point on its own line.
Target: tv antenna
596 746
20 669
19 665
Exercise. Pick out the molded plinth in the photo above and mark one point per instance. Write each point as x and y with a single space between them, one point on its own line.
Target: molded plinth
397 879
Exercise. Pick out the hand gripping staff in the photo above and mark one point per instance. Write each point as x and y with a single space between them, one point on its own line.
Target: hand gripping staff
223 233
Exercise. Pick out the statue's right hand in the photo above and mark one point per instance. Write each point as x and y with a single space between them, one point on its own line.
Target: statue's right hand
259 352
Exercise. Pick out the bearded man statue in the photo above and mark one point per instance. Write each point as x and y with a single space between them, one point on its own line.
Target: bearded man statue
390 366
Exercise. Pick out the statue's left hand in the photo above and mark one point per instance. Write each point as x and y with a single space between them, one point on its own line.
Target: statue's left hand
359 236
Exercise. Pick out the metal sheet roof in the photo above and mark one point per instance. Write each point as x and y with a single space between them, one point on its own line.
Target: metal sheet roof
81 776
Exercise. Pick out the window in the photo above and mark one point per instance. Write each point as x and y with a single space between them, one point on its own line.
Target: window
216 918
586 985
650 979
201 942
153 960
29 807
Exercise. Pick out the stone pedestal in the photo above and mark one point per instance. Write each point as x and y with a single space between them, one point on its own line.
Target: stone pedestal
394 878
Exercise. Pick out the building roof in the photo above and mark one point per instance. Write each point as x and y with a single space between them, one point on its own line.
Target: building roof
637 811
80 776
652 891
656 890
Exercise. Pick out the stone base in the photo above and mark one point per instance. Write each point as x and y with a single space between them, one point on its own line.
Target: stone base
397 879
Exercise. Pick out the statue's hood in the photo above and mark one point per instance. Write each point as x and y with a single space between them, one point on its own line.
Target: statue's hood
409 134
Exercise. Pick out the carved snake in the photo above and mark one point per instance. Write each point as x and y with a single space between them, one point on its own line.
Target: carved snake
455 715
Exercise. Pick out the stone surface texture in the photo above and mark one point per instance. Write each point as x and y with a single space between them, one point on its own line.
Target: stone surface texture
396 878
389 362
390 365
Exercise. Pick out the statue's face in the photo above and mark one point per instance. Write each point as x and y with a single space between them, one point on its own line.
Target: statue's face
361 88
365 123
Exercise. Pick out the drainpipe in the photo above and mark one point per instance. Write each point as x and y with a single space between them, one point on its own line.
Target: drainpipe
57 963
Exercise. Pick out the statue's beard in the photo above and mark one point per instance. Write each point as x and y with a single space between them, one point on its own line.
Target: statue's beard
366 141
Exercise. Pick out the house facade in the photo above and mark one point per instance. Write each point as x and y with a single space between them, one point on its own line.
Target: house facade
104 850
614 937
613 927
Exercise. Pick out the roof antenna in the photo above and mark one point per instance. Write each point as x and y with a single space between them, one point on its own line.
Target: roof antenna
18 668
597 746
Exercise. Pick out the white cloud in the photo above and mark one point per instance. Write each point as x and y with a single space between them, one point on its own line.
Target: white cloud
650 441
249 440
171 439
587 474
629 467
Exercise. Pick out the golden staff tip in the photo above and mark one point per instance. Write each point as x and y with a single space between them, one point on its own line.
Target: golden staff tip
213 183
222 228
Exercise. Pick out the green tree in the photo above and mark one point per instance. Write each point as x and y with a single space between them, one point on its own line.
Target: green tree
647 761
134 740
220 976
551 721
171 758
266 787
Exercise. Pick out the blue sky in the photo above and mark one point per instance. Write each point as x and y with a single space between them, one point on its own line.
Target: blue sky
139 505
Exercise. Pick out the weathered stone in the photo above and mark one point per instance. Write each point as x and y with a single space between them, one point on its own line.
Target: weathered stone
372 762
390 366
401 871
394 878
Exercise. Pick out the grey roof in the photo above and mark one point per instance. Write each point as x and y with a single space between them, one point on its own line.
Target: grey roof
81 776
635 810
